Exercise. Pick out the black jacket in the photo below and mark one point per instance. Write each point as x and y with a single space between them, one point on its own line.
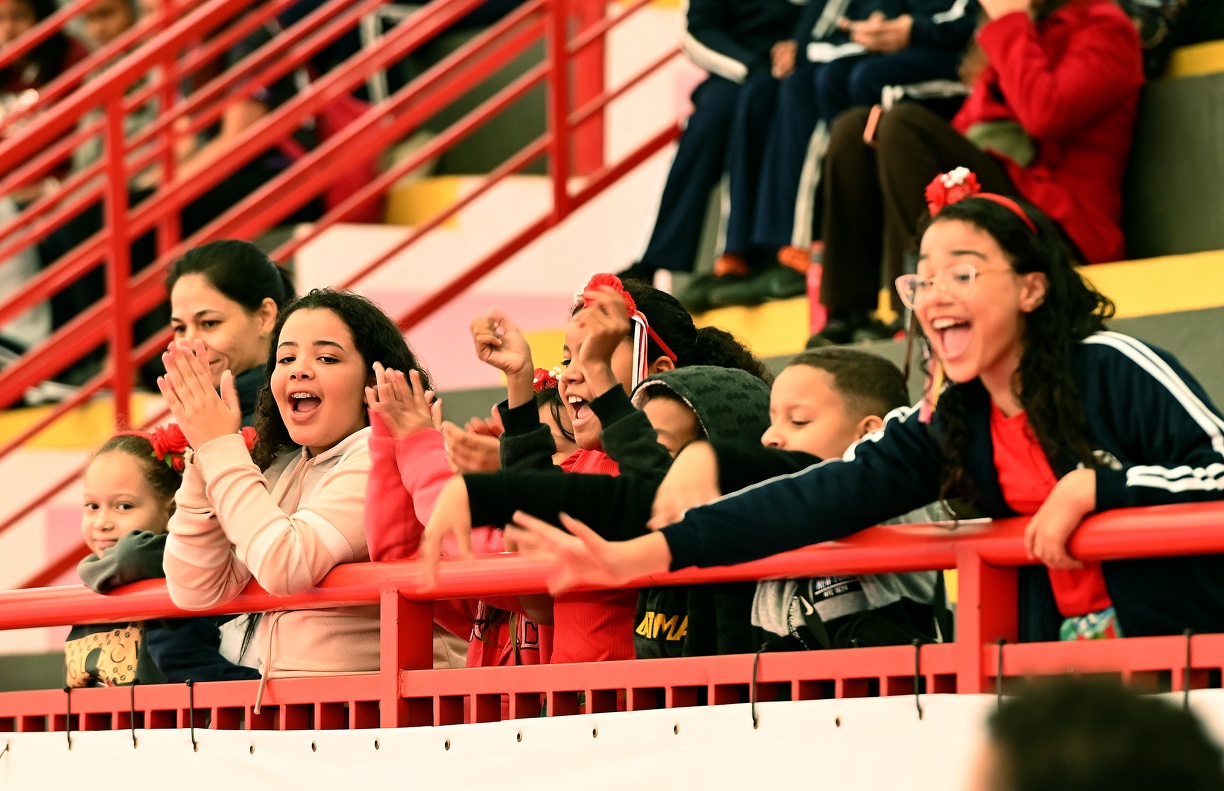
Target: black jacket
1159 440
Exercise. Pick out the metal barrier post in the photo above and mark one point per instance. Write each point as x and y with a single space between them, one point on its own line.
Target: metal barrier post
405 643
986 611
589 85
119 265
558 104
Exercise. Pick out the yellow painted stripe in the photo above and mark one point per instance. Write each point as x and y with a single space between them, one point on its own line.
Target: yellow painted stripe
87 427
416 202
1196 60
1162 285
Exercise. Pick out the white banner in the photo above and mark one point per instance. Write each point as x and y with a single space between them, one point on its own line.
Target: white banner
848 744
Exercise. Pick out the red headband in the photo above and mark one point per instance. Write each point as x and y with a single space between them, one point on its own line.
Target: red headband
961 183
635 316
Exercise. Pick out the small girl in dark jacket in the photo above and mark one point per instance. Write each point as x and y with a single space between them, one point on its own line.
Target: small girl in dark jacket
129 496
1044 413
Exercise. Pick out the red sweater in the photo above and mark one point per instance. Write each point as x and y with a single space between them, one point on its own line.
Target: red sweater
1072 81
406 477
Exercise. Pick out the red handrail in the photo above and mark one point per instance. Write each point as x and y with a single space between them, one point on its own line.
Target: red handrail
1162 531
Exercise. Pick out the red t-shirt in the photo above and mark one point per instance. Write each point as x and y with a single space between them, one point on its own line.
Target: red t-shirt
593 626
1027 480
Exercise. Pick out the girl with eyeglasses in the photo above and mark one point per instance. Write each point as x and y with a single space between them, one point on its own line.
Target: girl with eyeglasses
1034 408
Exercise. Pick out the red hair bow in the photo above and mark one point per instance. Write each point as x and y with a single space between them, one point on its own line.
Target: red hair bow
611 281
950 187
169 445
544 379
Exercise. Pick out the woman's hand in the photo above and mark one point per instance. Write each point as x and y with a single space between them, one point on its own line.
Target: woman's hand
470 451
187 387
584 557
402 402
452 517
1046 536
692 481
997 8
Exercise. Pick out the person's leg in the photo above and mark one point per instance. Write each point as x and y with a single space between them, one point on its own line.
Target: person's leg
913 146
853 221
783 175
746 144
833 86
696 169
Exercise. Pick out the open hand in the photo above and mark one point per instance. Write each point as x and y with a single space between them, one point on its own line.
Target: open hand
402 402
1047 534
449 530
691 481
585 558
187 387
471 451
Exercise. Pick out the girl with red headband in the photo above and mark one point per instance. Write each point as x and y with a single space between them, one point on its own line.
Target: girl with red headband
1044 413
618 334
1050 119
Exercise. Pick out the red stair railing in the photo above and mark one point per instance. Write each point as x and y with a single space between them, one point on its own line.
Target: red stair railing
574 32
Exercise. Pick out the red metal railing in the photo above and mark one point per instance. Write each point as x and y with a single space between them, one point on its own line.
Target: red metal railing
574 32
407 692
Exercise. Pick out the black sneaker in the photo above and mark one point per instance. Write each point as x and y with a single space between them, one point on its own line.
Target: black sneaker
696 296
770 283
839 330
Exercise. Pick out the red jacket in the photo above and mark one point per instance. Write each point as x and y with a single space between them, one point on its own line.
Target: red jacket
406 477
1072 81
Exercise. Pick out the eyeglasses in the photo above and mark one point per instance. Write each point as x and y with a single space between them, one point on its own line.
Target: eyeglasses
955 280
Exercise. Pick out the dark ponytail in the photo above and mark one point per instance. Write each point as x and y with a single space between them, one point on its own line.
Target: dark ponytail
716 346
237 269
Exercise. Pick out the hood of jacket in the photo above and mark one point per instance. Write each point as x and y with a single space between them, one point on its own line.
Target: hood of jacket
729 403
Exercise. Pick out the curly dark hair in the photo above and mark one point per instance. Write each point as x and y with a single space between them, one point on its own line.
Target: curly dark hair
376 337
163 478
691 344
1071 311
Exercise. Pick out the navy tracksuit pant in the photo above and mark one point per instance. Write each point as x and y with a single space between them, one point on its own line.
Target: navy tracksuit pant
725 133
811 94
